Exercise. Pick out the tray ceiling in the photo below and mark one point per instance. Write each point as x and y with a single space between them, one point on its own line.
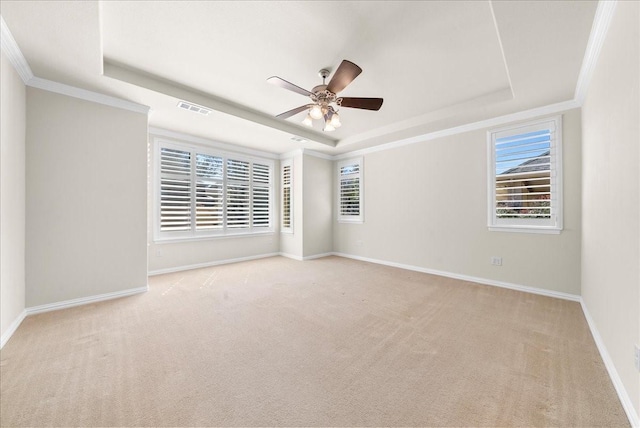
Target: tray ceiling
436 64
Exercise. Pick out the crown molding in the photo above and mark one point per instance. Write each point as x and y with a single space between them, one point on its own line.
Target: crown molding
488 123
84 94
12 51
599 29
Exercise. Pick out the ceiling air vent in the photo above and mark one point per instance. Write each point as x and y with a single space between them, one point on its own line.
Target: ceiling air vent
194 108
299 139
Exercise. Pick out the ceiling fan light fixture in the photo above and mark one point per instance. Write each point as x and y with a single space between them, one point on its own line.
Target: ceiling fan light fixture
328 127
308 121
316 112
335 121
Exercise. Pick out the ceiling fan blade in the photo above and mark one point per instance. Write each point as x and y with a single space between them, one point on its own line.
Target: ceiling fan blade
346 72
275 80
362 103
293 112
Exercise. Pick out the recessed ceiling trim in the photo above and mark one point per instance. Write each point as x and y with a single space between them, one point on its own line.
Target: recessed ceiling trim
181 92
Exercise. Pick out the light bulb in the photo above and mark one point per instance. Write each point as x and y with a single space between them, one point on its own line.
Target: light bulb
315 112
335 121
308 121
328 127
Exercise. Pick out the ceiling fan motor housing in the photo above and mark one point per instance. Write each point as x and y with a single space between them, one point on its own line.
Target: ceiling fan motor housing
323 97
319 88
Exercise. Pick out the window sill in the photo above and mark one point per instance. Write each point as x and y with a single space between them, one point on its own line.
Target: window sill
522 229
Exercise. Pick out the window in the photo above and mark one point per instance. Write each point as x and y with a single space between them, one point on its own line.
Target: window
287 196
202 193
350 205
525 177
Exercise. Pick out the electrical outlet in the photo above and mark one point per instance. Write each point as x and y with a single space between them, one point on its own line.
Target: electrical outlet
637 357
158 252
496 261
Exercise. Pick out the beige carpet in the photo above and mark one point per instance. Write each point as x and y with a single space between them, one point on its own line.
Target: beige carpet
331 342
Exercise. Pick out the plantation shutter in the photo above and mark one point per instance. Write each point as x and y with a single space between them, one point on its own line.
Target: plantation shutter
349 190
261 175
209 192
526 164
286 197
238 194
201 193
175 190
350 202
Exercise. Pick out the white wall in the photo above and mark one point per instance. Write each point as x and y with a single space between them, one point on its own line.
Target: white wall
291 244
318 205
86 205
12 195
425 205
175 255
611 195
167 256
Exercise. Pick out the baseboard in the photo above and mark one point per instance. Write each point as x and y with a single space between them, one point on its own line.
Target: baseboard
634 420
209 264
12 328
291 256
317 256
300 258
484 281
84 300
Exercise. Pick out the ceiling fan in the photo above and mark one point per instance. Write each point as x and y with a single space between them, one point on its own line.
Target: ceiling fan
325 101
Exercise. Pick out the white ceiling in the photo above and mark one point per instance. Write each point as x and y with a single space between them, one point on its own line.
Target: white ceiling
436 64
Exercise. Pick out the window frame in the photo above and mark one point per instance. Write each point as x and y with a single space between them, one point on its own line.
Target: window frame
194 234
360 175
553 225
286 163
